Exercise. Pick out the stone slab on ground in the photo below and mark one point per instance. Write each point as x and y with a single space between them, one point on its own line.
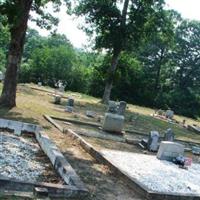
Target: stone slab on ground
157 175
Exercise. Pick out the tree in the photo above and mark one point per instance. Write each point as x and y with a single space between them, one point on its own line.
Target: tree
17 14
118 25
154 53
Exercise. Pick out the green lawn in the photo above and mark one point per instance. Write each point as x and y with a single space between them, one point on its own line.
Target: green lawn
32 105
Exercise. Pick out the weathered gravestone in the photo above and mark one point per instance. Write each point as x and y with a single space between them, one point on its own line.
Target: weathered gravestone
69 109
113 122
169 114
57 99
61 88
39 83
170 150
153 141
70 102
121 108
90 113
169 135
112 107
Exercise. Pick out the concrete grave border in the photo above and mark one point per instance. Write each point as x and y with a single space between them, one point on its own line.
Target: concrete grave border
133 183
74 187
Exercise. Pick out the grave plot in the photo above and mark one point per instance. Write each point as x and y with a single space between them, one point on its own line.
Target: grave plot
155 175
32 166
152 178
21 158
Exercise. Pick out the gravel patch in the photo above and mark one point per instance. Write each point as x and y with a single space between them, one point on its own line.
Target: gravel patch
157 175
19 158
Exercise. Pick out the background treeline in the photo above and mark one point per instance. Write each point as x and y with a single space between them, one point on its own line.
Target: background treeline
162 72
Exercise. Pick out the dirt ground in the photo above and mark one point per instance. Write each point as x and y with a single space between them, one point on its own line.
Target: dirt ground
101 183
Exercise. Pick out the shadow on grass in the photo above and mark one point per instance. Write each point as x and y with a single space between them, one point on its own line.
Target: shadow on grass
6 113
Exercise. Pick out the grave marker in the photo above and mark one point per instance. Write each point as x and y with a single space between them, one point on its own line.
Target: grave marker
153 141
170 150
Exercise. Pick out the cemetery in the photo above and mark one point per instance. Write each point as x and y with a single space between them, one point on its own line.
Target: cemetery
99 100
142 159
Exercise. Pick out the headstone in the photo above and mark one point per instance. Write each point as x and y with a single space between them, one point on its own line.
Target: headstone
153 141
122 108
169 114
196 150
90 113
69 109
169 135
160 112
70 102
113 122
112 107
39 83
61 88
170 150
57 99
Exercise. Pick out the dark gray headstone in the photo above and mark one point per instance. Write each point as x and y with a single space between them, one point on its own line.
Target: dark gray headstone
70 102
69 109
121 108
57 99
169 135
112 107
153 141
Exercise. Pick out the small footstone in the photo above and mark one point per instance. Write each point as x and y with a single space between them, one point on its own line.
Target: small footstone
69 109
41 192
90 114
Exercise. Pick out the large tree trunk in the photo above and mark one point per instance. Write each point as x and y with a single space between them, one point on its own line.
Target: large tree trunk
116 53
18 32
110 77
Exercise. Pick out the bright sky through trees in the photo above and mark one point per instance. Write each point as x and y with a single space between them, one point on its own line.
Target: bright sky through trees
69 26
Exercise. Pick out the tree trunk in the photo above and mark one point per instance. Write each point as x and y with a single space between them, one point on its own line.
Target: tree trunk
116 53
18 32
110 78
159 65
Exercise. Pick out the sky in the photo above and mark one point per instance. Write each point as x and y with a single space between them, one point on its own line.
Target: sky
70 26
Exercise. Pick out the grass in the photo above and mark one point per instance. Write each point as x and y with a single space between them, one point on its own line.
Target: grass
32 105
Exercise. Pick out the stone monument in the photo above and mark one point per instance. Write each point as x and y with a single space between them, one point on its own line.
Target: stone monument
169 135
121 108
153 141
169 114
113 122
170 150
57 99
70 102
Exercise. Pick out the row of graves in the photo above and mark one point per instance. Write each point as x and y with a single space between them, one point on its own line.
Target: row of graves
156 167
168 116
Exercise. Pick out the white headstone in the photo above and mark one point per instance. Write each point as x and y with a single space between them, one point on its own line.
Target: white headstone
113 122
170 150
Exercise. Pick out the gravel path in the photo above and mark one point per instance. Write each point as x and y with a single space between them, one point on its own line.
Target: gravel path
157 175
18 158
